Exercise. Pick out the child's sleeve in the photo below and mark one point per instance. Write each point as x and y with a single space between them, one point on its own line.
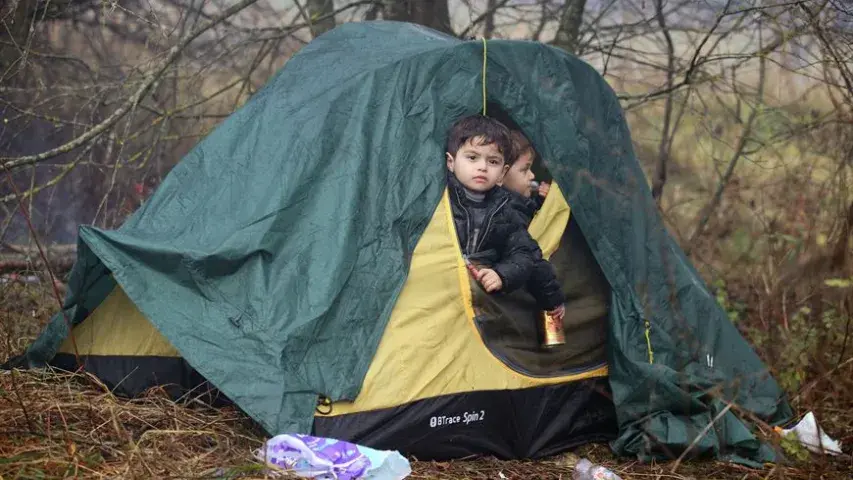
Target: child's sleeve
520 255
544 286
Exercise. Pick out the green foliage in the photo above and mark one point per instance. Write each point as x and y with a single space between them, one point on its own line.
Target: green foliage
735 310
839 282
806 340
792 447
798 345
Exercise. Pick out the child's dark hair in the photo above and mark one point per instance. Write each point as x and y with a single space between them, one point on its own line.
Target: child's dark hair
520 146
489 129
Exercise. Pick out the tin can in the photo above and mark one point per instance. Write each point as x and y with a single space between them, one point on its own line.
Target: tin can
553 331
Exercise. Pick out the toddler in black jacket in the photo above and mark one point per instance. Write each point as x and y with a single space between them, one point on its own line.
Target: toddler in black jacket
542 283
490 224
491 234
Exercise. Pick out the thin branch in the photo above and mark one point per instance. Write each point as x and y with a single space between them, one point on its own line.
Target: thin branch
843 67
10 163
700 436
482 17
53 279
761 8
65 170
489 27
568 33
543 20
738 153
173 113
697 61
659 180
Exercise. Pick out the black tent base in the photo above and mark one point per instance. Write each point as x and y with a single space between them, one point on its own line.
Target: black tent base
130 376
508 424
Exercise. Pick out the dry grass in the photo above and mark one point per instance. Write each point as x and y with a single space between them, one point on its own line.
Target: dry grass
55 425
60 425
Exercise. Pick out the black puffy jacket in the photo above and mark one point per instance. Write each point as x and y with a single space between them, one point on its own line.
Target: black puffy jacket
542 283
503 243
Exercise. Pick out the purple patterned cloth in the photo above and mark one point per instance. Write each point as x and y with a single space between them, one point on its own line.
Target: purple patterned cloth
325 458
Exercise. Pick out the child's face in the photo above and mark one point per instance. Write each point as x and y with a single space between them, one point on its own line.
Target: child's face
478 167
520 175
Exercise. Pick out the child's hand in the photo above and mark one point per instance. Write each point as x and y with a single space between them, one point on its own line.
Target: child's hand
543 189
558 313
490 280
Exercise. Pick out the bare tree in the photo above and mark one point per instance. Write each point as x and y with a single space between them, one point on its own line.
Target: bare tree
116 97
568 35
739 149
119 94
659 179
489 27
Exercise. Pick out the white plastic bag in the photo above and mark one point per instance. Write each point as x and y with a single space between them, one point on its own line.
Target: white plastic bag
813 437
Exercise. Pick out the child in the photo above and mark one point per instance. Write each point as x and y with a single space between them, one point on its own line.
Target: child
491 234
519 177
542 283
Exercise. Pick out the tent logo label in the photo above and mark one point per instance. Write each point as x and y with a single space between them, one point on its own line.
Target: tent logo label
466 418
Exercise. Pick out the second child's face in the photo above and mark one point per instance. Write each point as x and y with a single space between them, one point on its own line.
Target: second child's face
520 175
478 167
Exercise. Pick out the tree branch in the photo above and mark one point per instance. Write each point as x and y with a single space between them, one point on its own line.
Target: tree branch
322 18
10 163
568 35
842 66
489 13
697 61
543 20
659 179
489 27
739 149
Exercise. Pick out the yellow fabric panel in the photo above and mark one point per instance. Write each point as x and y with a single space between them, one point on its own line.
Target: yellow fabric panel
548 225
117 327
431 346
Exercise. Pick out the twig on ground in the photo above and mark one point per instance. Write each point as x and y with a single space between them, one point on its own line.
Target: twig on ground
700 436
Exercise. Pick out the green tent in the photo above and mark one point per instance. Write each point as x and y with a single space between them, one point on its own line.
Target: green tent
302 251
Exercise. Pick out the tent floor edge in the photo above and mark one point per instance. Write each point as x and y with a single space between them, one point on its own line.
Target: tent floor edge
508 424
131 376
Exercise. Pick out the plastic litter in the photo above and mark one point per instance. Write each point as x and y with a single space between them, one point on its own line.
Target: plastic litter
586 470
326 459
812 436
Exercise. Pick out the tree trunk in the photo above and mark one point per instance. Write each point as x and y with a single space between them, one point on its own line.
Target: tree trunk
16 16
489 25
322 16
568 35
373 12
434 14
659 180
